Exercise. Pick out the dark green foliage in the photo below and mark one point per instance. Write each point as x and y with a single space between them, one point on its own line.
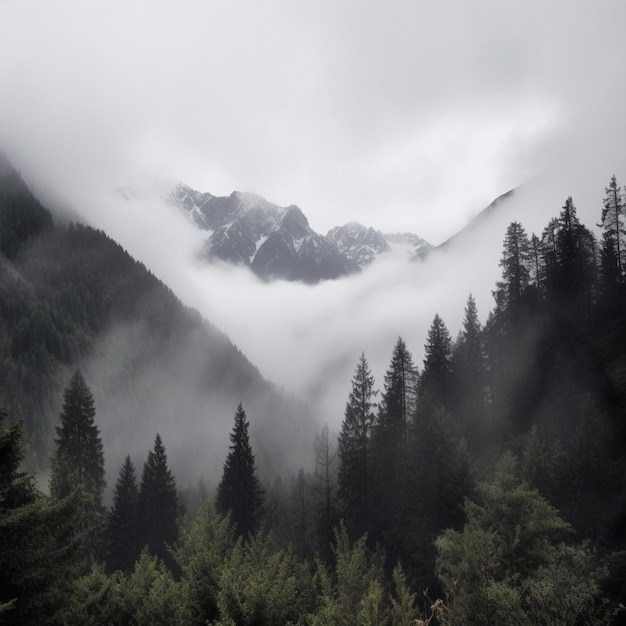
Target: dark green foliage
511 563
261 586
158 503
206 542
79 459
351 590
239 492
145 597
40 541
124 539
355 451
22 218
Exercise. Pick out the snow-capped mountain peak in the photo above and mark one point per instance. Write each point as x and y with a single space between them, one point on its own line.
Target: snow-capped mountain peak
278 242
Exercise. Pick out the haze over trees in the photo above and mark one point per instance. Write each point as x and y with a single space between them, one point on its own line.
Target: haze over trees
491 475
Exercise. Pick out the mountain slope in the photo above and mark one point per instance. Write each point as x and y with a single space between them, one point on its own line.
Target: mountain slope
70 296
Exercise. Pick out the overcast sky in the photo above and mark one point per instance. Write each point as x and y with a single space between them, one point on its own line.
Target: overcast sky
403 115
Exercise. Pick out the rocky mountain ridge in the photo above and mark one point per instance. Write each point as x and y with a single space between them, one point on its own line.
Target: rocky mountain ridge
277 242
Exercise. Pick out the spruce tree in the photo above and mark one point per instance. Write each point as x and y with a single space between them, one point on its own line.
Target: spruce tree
390 444
40 539
399 398
515 264
239 491
355 450
435 378
79 459
469 373
124 539
158 503
613 224
575 271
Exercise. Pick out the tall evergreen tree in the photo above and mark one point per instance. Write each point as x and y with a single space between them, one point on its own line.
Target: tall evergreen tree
575 271
398 401
613 223
40 539
79 459
469 376
435 378
124 538
613 251
515 263
158 503
390 446
240 491
355 450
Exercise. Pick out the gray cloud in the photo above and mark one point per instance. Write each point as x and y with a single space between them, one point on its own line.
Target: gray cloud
390 113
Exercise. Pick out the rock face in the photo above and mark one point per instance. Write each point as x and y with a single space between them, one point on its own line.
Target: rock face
277 242
363 244
358 242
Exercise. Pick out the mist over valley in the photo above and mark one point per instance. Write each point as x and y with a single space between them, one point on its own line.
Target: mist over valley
312 315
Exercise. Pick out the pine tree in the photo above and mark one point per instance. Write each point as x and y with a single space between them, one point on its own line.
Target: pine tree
124 539
470 374
574 283
40 539
613 223
515 263
435 378
79 459
239 491
390 444
613 252
355 453
511 563
399 398
158 503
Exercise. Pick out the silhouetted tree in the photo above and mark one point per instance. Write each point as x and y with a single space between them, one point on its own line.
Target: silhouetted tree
613 223
613 250
435 378
40 539
239 491
515 263
355 450
398 400
390 446
574 278
158 503
470 376
79 459
124 539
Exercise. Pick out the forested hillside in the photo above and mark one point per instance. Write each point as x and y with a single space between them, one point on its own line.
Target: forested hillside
485 485
70 296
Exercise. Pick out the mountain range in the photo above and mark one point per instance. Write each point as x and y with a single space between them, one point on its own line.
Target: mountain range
278 243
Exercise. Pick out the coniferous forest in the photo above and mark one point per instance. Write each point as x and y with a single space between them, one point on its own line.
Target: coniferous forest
485 485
